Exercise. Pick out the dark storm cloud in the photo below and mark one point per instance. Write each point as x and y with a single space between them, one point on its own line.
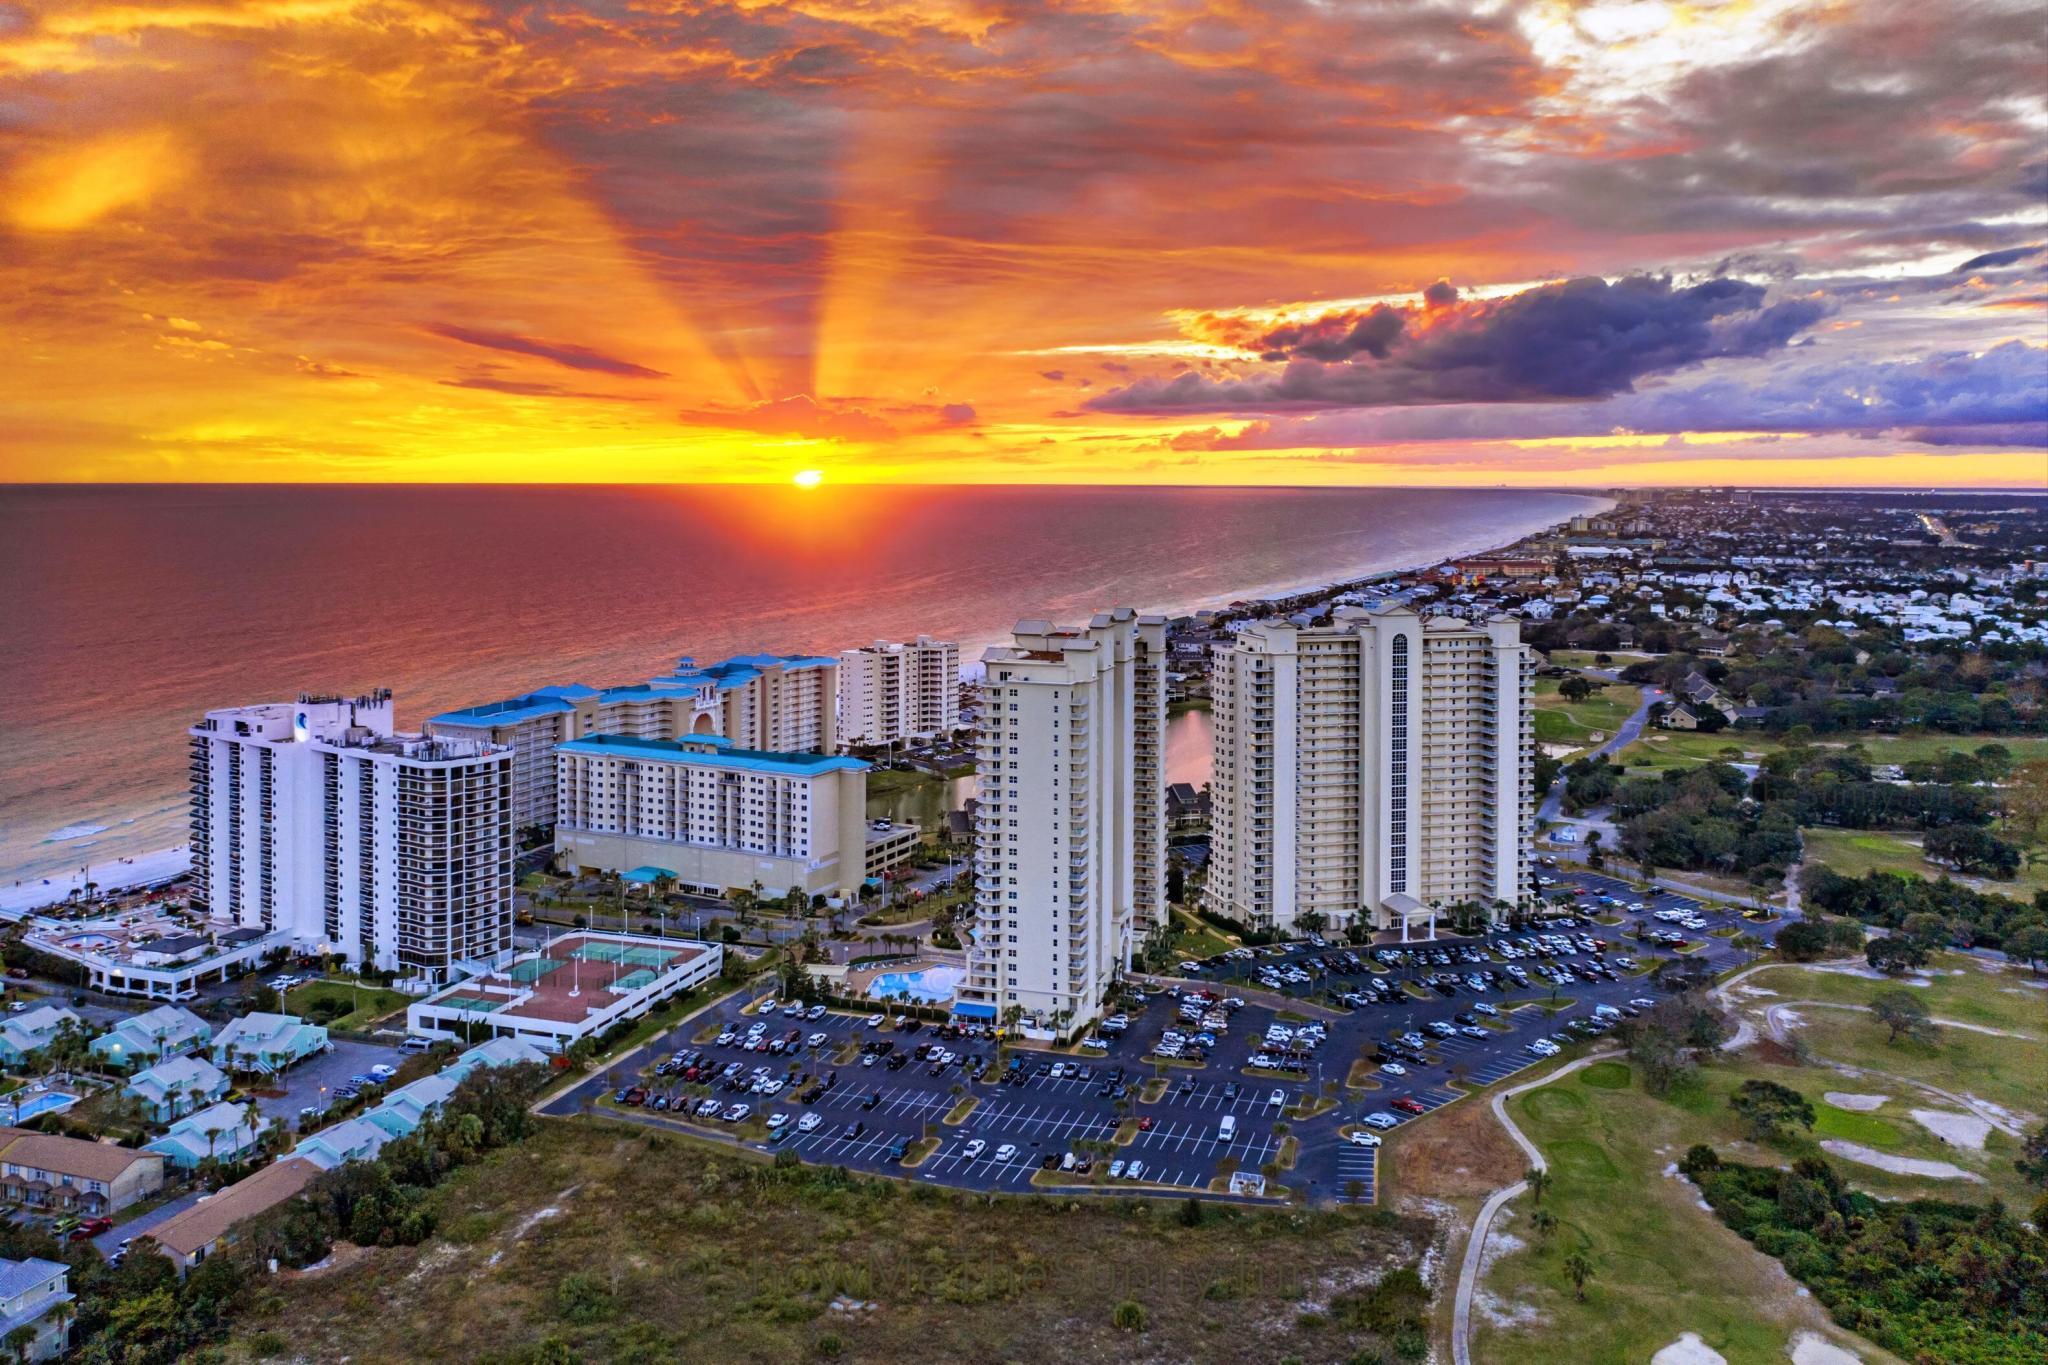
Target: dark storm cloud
1992 260
1998 398
1584 338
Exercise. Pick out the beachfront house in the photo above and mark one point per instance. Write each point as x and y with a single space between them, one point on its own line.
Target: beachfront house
174 1088
23 1034
267 1043
222 1132
166 1031
31 1291
51 1174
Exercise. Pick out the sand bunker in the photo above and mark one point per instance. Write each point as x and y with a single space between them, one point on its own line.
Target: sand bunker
1862 1104
1897 1165
1811 1348
1959 1130
1689 1350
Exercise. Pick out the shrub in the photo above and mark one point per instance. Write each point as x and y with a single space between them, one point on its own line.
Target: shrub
1128 1316
582 1297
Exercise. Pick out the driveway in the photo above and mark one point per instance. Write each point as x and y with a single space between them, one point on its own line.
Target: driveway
110 1240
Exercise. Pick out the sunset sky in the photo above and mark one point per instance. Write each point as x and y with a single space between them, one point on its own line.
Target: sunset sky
1263 241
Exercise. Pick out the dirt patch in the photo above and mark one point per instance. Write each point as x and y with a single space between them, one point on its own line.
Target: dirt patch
1689 1350
1861 1104
1957 1130
1811 1348
1461 1153
1897 1165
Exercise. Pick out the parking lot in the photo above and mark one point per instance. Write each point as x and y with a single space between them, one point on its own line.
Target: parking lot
312 1083
1168 1117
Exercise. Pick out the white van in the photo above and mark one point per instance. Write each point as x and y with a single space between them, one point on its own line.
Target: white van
1226 1131
416 1044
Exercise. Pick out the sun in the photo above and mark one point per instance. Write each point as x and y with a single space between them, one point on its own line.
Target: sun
807 478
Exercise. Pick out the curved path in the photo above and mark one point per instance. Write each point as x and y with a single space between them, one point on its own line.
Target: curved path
1475 1245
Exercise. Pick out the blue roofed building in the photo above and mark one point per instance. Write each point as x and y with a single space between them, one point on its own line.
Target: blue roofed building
24 1034
220 1132
166 1031
355 1139
30 1293
713 815
267 1043
176 1086
775 702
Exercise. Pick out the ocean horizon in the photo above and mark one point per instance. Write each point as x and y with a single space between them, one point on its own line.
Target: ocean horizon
136 608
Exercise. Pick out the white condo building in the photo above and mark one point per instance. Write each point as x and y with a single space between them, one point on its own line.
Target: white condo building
1378 766
782 703
711 816
313 818
1070 834
889 693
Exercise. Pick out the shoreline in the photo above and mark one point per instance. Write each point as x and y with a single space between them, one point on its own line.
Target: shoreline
149 868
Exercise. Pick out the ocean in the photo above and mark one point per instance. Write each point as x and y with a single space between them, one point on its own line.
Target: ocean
128 611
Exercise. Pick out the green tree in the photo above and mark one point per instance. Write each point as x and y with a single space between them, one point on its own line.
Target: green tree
1902 1013
1538 1181
1894 954
1579 1267
1765 1106
2033 1158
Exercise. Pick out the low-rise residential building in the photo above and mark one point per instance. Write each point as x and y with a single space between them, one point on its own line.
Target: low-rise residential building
30 1293
176 1086
267 1042
191 1236
713 816
166 1031
50 1174
219 1132
354 1139
23 1034
154 952
577 986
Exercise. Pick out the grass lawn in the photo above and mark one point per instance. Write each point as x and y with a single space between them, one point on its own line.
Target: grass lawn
1853 852
1661 1264
1573 722
1192 938
1659 749
1583 658
1677 748
368 1003
671 1249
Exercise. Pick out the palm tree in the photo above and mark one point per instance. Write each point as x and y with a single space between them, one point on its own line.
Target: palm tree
1538 1180
1579 1267
1545 1223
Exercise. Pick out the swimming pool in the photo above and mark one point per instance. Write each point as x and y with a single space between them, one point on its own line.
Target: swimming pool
930 984
47 1102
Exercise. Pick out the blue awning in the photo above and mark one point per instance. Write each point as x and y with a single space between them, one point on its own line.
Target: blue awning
646 876
974 1009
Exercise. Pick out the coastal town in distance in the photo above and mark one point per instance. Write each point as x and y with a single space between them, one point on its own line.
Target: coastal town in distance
1627 943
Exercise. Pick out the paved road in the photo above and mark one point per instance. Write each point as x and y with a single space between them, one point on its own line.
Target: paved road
109 1241
1553 800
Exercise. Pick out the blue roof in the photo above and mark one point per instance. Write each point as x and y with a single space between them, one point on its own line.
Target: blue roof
18 1277
545 701
974 1009
712 751
742 668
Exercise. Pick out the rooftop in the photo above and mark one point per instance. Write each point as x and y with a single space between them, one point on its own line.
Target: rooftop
711 751
570 977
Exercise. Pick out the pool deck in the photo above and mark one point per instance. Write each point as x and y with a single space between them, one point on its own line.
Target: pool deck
860 979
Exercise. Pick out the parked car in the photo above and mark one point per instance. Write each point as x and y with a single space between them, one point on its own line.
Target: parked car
1361 1138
